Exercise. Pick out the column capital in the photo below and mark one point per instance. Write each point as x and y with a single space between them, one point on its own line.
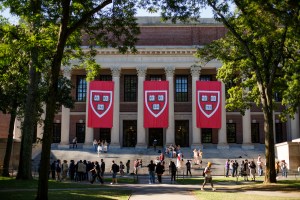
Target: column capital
169 71
141 71
115 71
67 71
195 70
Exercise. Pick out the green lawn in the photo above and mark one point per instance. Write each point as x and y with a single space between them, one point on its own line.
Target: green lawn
62 190
229 188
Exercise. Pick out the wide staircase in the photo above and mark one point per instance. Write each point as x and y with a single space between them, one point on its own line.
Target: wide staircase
210 154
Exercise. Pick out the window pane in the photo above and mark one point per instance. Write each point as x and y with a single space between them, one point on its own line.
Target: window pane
56 133
105 78
206 135
81 87
181 88
255 132
130 87
205 78
231 132
155 77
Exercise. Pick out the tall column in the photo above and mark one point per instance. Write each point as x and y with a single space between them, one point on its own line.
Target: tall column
141 136
89 132
222 143
115 131
17 130
196 139
295 130
65 118
247 144
170 132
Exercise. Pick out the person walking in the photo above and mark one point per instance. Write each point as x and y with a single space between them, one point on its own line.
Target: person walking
154 144
227 165
114 169
96 171
151 170
208 177
252 167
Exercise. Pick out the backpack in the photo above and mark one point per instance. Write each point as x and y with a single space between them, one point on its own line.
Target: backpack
117 168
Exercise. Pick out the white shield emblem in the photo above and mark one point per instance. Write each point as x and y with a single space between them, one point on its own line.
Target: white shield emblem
156 101
100 101
208 102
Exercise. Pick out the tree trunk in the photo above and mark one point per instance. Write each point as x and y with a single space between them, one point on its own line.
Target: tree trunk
270 173
30 115
42 193
9 144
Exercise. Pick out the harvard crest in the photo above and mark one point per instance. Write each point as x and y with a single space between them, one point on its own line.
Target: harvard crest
156 101
100 101
208 102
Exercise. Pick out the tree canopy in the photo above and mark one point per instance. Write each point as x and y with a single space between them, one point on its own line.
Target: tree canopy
260 54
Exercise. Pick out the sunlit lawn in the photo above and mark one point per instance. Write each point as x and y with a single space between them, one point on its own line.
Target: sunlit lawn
62 190
228 188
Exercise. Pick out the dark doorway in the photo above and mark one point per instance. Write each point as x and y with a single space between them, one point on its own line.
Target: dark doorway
278 132
156 133
105 134
255 132
130 133
56 136
80 132
182 133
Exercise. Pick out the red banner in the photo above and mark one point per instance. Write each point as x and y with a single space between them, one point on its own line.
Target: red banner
156 104
100 108
208 103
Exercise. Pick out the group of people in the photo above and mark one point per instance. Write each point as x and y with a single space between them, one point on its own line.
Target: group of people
281 166
100 146
197 155
173 150
76 171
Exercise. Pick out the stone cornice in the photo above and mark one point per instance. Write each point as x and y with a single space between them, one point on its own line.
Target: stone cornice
149 52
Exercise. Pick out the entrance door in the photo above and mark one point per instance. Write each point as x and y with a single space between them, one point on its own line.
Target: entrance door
182 133
105 134
130 133
156 133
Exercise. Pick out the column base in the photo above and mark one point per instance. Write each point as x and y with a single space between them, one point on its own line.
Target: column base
141 146
114 146
248 146
223 146
63 146
196 146
88 146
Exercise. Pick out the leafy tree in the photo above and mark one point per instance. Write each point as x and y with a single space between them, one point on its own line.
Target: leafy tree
13 80
260 53
108 23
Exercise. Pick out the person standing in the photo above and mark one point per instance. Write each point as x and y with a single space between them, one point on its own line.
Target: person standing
72 170
227 166
65 169
58 170
159 171
284 168
114 169
173 171
208 177
252 167
95 144
102 166
74 142
122 167
127 166
151 170
188 167
154 144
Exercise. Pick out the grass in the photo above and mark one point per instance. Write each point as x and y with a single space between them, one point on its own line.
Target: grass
62 190
228 188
